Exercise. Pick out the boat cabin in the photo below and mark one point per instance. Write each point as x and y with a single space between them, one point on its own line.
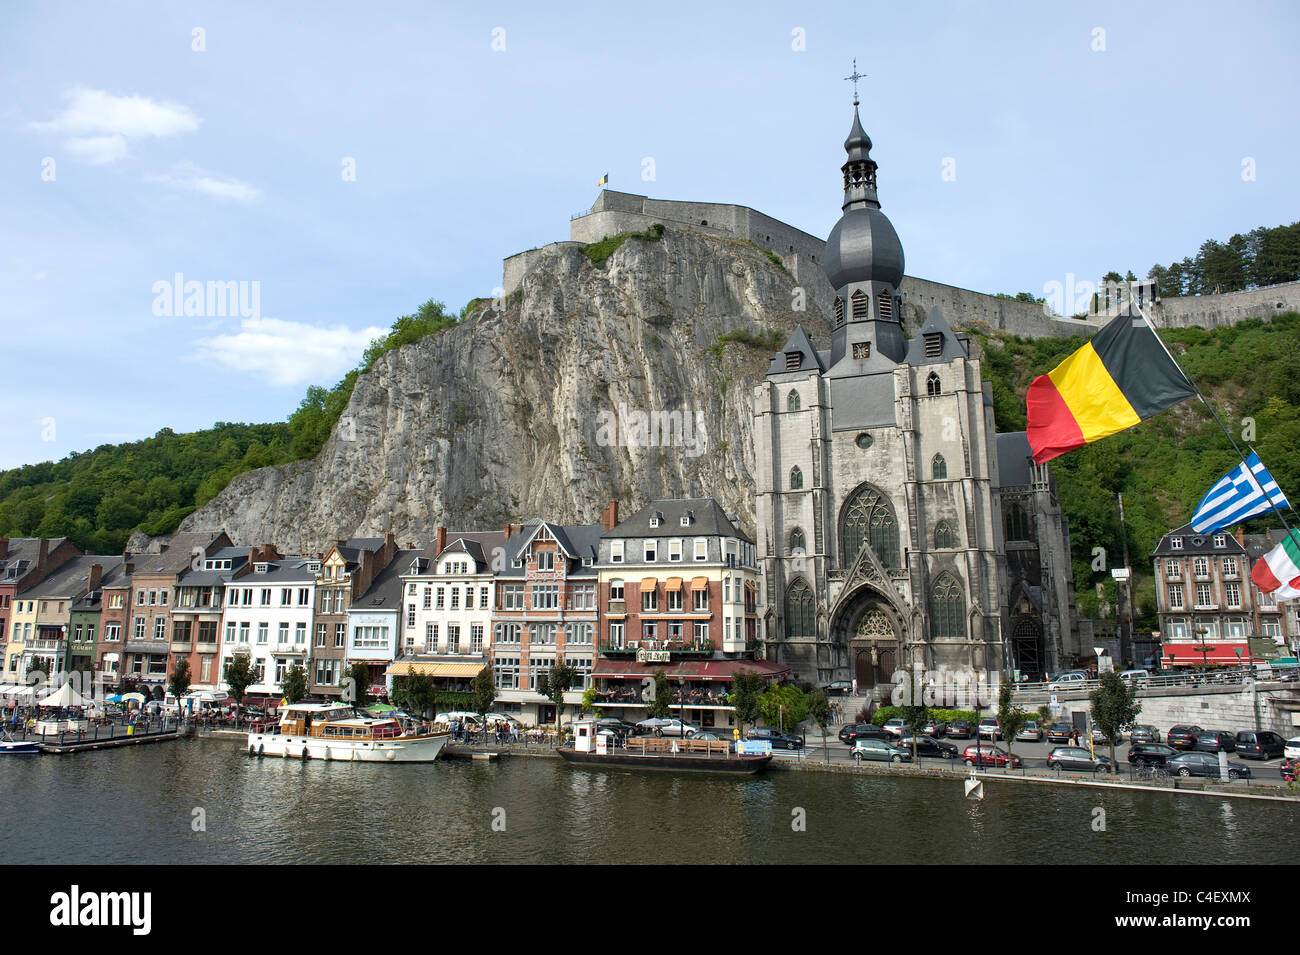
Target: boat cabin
334 721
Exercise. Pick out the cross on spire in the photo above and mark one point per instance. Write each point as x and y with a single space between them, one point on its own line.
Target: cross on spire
855 76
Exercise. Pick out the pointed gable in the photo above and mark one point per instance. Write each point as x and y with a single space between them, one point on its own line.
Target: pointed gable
936 342
798 355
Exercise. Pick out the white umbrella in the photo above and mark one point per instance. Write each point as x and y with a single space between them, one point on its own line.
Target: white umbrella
65 696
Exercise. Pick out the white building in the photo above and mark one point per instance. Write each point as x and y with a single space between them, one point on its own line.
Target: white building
374 621
268 616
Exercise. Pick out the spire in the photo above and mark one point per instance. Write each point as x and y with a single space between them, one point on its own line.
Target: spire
860 169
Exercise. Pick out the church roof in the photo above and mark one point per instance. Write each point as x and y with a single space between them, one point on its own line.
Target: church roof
1014 457
859 143
935 324
798 343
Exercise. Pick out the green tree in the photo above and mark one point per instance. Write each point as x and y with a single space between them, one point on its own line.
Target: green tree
356 685
589 699
1011 718
819 711
746 689
664 696
783 706
294 687
559 679
238 675
179 683
1114 708
483 694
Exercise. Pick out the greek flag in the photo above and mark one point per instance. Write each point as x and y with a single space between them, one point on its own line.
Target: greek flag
1239 494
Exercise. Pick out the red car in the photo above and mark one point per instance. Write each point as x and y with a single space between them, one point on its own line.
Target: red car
989 756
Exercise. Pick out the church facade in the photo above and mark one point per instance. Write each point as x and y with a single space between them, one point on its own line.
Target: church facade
897 529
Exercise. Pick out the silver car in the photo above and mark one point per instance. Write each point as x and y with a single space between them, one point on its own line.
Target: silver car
877 750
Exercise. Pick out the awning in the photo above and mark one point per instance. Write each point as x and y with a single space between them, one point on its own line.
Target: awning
1190 654
649 583
699 583
673 583
430 668
721 670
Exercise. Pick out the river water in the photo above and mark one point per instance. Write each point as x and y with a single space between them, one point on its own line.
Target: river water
141 804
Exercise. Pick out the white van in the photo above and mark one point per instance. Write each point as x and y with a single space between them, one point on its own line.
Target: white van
1134 675
1068 681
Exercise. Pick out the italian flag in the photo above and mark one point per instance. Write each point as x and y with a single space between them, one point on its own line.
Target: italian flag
1279 570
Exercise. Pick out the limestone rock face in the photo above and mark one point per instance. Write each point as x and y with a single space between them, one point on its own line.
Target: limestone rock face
591 383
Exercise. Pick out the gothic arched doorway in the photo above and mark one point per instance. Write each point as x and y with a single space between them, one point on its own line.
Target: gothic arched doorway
866 629
1027 645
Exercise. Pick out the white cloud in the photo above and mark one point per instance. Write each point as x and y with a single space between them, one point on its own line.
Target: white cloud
91 112
99 123
287 353
188 176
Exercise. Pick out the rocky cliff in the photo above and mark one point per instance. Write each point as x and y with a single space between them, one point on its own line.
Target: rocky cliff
590 383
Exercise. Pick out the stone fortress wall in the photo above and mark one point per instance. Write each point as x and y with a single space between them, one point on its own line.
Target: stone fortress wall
616 212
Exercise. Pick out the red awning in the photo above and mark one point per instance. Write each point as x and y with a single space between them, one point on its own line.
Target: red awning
721 670
1189 654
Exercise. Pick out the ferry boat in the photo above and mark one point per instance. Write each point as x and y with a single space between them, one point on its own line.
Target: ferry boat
590 748
335 731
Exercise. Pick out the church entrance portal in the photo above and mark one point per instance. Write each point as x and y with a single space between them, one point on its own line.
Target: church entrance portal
866 629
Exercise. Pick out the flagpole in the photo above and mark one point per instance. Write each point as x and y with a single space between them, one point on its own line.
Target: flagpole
1214 414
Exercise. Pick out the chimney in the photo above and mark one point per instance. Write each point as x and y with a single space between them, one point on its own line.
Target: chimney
252 556
4 547
340 542
1241 536
390 540
96 576
42 551
441 541
609 516
129 569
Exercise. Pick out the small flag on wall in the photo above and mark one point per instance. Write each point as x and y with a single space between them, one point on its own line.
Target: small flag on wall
603 179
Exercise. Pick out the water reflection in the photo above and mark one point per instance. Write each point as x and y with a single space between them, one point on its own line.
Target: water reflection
289 811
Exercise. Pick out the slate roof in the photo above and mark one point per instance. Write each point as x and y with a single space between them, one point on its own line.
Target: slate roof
1191 547
708 519
1015 459
70 580
579 540
798 342
385 591
935 324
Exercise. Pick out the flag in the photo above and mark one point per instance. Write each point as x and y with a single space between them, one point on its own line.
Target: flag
1278 571
1120 377
603 179
1238 495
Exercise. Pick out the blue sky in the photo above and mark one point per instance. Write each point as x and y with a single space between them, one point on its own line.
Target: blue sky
128 156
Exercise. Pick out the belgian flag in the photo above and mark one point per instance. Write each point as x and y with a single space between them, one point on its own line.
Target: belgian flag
1122 376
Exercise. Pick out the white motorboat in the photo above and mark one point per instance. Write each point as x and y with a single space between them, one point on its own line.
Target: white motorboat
335 731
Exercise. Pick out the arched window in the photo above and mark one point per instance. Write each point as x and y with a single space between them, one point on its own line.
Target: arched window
792 402
839 311
860 304
868 517
943 536
932 386
796 479
1017 523
947 609
938 468
800 611
797 542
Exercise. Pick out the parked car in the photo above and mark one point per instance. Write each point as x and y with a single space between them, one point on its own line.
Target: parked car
838 688
1205 764
1151 754
1211 741
1098 736
989 727
1145 733
778 739
1030 733
895 727
1261 745
1135 676
986 755
854 732
928 746
880 751
960 729
1183 737
1060 733
1077 758
658 726
1292 749
935 728
1068 681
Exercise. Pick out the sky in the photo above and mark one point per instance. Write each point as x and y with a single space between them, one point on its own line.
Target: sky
341 163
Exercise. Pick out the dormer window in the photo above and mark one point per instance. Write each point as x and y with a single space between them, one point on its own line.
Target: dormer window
259 568
793 360
654 522
933 344
1175 543
1220 540
688 518
861 305
885 304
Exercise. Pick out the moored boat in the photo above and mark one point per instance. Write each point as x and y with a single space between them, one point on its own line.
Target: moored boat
590 748
18 747
335 731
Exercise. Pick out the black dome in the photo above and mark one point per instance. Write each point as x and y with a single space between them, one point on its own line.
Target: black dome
863 247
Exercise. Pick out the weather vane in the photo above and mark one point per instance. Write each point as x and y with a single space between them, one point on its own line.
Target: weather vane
855 76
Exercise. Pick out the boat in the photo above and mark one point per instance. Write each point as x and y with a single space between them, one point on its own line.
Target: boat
18 747
592 748
335 731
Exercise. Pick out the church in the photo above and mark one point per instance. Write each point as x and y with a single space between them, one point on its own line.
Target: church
897 529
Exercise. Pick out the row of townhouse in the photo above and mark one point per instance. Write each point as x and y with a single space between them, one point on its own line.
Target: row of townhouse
1209 610
674 588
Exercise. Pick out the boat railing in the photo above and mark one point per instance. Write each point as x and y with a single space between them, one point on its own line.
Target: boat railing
648 745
